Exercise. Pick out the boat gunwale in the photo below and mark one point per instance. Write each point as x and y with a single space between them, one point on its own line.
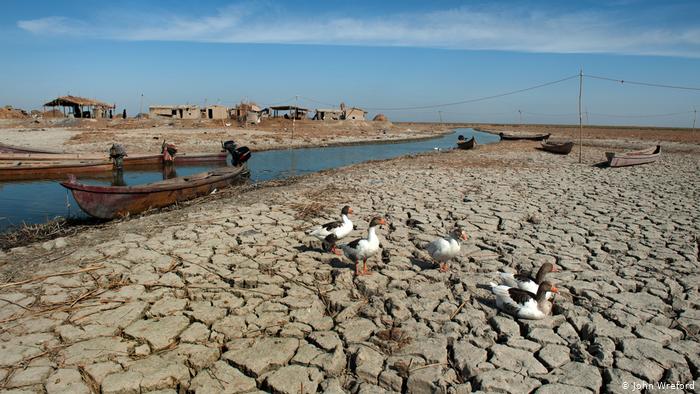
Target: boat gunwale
178 183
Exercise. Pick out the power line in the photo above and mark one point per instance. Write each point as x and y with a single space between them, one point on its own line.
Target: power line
316 101
540 114
641 116
475 99
280 102
656 85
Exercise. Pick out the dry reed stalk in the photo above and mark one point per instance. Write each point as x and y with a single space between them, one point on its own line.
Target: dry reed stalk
42 277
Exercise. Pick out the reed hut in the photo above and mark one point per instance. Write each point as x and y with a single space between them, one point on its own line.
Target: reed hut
81 107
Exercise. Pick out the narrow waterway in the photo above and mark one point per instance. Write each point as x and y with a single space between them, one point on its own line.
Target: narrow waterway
38 201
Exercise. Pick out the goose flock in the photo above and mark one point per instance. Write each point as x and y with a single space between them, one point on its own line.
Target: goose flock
524 295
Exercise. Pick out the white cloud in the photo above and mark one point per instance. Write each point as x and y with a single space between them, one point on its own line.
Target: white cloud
493 28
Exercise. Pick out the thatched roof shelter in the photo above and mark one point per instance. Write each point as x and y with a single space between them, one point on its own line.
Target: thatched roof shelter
71 101
81 107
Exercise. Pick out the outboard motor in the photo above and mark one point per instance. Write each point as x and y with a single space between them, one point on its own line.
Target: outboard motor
238 155
168 151
117 153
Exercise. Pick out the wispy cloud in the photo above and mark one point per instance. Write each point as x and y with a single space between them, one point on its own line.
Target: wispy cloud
472 28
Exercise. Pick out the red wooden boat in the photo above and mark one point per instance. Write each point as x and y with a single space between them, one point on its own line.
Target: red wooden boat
47 170
531 137
561 148
109 202
133 159
467 144
18 166
643 156
5 148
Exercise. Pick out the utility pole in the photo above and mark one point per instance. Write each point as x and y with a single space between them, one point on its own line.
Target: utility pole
141 105
296 113
440 114
580 117
521 117
695 115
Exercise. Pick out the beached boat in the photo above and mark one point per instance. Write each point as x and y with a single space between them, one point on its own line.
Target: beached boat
133 159
17 166
109 202
5 148
561 148
18 170
643 156
531 137
467 144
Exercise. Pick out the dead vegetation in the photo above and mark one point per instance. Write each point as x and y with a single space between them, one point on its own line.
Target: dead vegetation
30 233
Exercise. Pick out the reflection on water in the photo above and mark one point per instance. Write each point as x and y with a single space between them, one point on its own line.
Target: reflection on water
36 201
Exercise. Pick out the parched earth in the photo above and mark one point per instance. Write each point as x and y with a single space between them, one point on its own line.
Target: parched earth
232 296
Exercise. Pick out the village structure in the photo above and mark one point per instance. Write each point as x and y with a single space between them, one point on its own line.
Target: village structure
252 113
81 107
70 106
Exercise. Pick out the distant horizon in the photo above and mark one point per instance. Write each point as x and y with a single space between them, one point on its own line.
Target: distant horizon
403 54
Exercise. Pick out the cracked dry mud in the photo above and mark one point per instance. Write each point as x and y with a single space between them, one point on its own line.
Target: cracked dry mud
231 296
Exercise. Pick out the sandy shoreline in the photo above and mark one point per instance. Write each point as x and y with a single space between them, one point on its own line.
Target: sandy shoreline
146 136
231 294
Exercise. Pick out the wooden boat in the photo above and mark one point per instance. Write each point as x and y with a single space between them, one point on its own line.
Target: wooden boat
18 170
5 148
531 137
561 148
643 156
16 166
467 144
134 159
109 202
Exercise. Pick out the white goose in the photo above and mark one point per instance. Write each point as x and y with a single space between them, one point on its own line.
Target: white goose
363 248
523 304
443 250
339 228
525 281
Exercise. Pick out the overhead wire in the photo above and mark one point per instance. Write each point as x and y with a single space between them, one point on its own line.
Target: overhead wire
474 99
656 85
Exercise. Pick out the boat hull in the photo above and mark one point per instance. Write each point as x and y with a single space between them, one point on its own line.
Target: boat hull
643 156
36 166
134 159
5 148
563 148
110 202
529 137
468 144
40 170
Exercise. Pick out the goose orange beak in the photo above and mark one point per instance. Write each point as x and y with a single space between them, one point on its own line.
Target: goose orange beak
554 290
350 211
464 236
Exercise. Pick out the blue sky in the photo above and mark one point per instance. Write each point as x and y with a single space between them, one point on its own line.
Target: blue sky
377 55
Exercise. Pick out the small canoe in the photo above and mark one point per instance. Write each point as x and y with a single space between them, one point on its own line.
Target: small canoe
467 144
531 137
561 148
643 156
19 170
5 148
109 202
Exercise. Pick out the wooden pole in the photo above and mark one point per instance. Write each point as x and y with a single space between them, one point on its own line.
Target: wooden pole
580 117
294 118
695 115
